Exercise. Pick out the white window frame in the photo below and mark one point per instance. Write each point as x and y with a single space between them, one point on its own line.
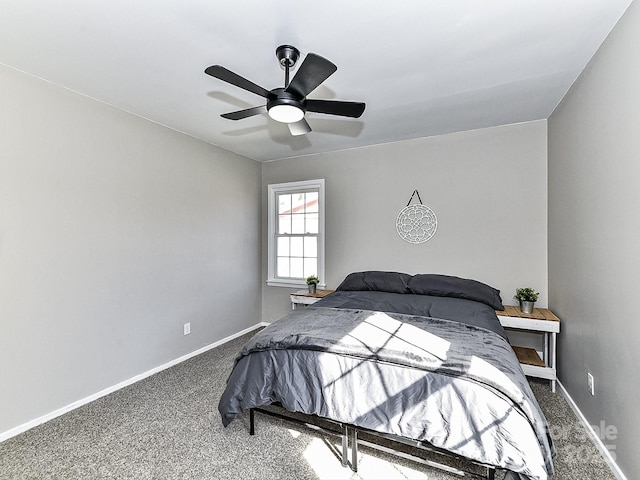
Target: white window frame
272 212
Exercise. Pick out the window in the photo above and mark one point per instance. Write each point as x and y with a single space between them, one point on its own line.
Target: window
296 232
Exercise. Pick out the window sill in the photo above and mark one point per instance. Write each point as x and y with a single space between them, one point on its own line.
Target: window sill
291 284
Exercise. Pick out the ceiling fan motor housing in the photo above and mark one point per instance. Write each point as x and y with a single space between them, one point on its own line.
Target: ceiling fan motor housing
278 96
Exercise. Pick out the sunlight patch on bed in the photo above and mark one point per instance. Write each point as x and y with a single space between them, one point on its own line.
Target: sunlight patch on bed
483 369
365 376
327 466
399 336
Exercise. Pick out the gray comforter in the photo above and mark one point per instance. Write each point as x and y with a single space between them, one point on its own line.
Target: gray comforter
455 385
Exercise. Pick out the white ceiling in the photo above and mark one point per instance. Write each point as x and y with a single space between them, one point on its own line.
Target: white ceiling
422 67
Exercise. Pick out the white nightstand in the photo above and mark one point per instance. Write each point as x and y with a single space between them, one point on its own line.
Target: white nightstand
541 321
303 297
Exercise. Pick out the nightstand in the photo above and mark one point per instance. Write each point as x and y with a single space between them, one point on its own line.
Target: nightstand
544 322
303 297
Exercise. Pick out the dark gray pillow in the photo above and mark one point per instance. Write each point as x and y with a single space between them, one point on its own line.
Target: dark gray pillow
393 282
448 286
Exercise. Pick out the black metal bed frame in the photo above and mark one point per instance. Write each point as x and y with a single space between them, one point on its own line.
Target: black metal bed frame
349 434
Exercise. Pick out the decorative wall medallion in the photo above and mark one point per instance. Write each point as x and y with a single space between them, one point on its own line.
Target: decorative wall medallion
416 223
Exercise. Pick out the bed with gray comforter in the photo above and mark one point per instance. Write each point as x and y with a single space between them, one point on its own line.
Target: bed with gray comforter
421 357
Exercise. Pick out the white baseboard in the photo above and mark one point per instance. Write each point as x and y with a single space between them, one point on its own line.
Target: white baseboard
592 434
72 406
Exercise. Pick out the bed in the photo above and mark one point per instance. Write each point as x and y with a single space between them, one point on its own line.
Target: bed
430 354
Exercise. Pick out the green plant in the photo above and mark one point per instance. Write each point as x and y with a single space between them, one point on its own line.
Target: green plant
526 294
312 280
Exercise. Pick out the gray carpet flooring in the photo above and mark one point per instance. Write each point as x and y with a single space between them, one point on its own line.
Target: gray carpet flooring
167 427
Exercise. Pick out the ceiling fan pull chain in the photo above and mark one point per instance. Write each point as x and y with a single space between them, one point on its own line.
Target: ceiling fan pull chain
415 192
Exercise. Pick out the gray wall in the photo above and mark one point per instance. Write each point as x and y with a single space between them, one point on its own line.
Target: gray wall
114 232
487 187
594 233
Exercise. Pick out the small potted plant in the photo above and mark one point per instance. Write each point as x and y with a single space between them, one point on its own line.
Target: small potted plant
527 297
312 283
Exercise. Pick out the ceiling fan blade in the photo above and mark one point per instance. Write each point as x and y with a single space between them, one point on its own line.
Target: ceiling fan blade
228 76
249 112
313 71
300 127
335 107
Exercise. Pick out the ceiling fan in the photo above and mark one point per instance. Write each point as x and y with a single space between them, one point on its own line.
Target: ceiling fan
289 104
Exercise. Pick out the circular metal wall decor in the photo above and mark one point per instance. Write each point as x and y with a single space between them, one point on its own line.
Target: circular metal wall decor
416 223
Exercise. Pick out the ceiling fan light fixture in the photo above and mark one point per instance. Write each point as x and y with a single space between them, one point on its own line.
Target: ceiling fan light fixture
286 113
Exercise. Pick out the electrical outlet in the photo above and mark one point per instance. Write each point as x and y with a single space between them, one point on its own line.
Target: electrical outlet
187 328
591 384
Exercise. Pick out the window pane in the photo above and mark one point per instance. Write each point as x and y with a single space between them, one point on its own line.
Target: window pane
312 223
282 267
297 247
311 247
284 203
297 203
284 224
310 267
283 247
296 268
312 202
297 223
